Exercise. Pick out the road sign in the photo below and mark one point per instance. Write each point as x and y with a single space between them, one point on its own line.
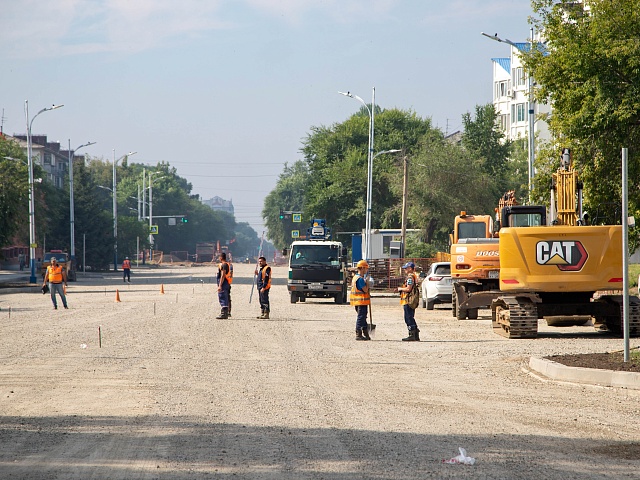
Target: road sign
297 217
295 233
154 230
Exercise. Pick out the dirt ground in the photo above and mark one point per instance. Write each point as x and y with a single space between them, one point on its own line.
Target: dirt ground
153 387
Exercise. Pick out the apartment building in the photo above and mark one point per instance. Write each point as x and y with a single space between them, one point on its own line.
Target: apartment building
511 97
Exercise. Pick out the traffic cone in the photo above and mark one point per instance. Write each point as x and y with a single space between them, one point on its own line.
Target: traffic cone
162 289
117 295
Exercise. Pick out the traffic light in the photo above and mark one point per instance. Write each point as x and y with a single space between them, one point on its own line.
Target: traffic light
184 220
281 215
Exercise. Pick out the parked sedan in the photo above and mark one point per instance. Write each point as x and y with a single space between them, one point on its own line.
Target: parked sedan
436 286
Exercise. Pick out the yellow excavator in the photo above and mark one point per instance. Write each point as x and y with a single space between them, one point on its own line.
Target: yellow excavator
567 270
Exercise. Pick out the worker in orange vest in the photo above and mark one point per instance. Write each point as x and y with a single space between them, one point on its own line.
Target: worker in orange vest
361 299
126 270
224 280
56 276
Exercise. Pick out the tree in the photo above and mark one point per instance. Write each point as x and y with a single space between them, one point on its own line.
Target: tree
14 182
589 70
485 140
289 194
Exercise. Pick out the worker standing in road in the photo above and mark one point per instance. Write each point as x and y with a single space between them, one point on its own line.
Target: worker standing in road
263 282
409 312
56 277
126 270
361 299
224 286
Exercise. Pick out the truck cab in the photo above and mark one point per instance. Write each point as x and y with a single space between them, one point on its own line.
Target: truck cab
317 266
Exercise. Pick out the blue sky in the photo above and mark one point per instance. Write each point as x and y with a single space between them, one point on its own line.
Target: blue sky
225 90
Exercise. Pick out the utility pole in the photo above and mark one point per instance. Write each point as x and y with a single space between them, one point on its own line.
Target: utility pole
405 194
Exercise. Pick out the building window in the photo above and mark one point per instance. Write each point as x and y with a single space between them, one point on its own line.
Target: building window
503 89
503 122
519 112
47 158
518 76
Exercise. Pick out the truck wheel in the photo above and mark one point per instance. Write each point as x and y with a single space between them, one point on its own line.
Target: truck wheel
453 302
460 313
338 298
430 305
303 298
294 297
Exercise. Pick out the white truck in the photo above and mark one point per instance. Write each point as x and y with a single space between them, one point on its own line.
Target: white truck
317 266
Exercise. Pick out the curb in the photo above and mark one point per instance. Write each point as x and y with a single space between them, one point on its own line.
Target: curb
25 289
590 376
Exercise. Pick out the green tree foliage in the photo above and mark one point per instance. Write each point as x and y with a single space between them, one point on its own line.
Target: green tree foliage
288 195
590 71
444 177
337 160
485 140
14 196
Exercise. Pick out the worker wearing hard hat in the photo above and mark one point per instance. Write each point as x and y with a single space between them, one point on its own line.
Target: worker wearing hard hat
361 299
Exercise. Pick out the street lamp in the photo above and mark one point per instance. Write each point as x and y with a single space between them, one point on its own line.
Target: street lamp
32 220
71 202
115 209
151 240
367 227
532 153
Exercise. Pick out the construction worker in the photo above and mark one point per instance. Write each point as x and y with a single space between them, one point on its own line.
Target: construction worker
56 276
230 282
224 286
361 299
263 282
126 270
409 313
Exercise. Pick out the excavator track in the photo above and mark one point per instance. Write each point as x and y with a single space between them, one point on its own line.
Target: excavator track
515 317
614 324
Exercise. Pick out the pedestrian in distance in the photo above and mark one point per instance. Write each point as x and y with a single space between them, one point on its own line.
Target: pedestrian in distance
224 286
405 290
360 298
56 277
126 270
263 282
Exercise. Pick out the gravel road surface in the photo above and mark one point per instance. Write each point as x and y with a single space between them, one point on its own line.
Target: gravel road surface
173 393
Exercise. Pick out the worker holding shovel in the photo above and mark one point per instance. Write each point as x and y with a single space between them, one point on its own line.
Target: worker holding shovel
361 300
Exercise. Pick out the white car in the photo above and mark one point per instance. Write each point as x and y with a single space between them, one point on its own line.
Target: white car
436 286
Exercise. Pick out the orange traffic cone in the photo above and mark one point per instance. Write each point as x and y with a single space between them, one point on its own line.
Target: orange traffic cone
117 295
162 288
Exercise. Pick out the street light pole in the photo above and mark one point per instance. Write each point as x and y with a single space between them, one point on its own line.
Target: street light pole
367 227
71 201
32 220
115 209
151 240
531 143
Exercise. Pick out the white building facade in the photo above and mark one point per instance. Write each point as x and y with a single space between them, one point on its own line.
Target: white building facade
511 97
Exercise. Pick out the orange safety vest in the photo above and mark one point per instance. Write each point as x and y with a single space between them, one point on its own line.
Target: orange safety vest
358 297
404 295
126 264
228 276
54 274
263 273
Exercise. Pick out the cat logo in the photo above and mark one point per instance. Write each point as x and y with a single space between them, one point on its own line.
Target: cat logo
568 256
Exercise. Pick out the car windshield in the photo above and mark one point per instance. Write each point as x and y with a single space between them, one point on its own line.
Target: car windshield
60 257
442 270
315 255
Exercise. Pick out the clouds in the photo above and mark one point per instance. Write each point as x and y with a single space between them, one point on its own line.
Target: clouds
41 28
